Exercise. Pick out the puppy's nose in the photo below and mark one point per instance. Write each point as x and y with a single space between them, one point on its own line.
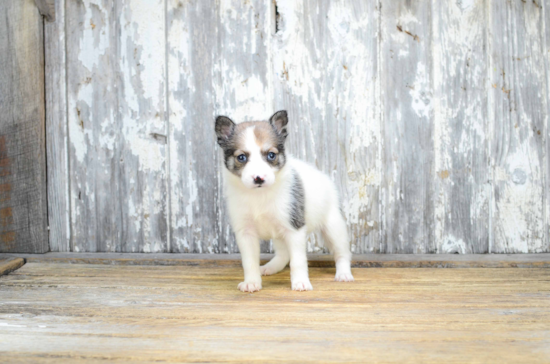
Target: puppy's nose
258 180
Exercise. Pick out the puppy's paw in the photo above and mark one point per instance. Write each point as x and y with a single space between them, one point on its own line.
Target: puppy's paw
267 270
343 277
249 286
302 285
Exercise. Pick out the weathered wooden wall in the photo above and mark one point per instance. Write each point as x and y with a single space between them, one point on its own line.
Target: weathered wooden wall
430 116
23 216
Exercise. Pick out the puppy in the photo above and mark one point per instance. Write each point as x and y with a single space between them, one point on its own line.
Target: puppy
271 195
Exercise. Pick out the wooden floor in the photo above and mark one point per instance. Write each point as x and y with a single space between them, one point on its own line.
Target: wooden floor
59 312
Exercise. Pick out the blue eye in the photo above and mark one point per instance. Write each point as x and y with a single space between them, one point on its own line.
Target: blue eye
242 158
271 156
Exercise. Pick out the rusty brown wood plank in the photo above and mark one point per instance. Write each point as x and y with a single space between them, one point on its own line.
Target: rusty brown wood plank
23 215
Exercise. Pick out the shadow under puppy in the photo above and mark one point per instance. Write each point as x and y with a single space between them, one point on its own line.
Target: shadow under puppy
271 195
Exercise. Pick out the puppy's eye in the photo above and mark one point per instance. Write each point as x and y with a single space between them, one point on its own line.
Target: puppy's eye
271 156
242 158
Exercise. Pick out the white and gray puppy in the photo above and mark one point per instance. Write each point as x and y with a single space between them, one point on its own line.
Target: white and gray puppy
271 195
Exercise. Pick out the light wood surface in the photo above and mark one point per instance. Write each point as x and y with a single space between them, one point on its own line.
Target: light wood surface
61 313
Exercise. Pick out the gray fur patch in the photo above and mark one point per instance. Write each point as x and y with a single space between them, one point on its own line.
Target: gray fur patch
298 203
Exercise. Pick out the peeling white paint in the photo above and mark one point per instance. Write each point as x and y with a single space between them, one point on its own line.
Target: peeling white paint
5 324
420 92
95 31
326 65
452 245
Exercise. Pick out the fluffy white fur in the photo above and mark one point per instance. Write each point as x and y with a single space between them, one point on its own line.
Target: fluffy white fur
263 213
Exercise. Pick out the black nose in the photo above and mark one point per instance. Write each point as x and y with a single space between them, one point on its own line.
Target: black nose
258 180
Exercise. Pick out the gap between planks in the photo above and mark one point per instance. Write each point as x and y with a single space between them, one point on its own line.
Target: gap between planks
318 261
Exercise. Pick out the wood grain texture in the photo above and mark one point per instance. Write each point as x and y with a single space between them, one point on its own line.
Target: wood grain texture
243 81
23 215
48 8
411 108
546 53
539 260
56 132
463 174
408 128
9 265
117 127
326 76
218 64
194 160
98 313
518 113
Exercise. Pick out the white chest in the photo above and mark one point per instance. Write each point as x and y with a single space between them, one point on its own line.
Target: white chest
265 214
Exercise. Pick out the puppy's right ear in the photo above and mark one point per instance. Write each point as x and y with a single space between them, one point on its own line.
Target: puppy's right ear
224 129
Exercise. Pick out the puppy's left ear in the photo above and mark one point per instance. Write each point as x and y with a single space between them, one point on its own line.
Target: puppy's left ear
279 121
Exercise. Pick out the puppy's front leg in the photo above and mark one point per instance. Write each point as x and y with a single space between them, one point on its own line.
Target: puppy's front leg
299 277
249 246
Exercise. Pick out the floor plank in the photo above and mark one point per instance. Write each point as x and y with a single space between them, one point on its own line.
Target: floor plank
541 260
57 312
8 265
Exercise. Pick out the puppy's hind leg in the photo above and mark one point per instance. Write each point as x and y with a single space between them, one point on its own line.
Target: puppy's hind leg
336 233
279 261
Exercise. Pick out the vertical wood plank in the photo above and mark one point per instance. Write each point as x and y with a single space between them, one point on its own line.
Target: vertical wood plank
242 81
462 180
218 64
546 54
407 201
518 126
91 96
325 72
142 107
117 129
194 160
23 210
56 131
47 9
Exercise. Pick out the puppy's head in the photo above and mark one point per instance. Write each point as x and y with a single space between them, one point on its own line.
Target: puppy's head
254 150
